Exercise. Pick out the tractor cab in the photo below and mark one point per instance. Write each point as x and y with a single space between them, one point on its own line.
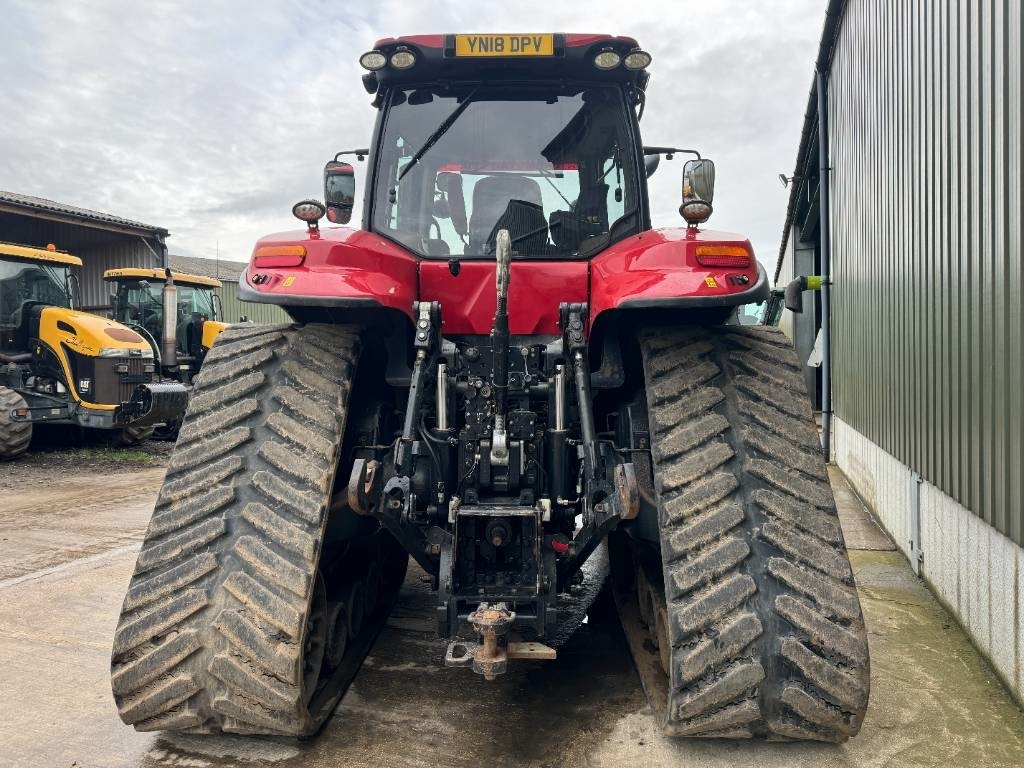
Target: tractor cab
30 277
189 317
548 150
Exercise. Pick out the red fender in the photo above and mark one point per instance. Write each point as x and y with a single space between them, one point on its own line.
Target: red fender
342 267
660 269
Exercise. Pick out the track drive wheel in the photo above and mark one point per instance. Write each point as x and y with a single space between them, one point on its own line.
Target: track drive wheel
231 620
752 621
14 435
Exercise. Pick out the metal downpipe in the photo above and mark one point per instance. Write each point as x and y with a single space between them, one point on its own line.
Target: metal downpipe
821 81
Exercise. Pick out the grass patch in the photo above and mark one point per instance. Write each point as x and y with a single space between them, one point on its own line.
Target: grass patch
121 455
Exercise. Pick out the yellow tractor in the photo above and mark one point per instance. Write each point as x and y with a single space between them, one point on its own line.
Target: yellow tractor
175 311
59 365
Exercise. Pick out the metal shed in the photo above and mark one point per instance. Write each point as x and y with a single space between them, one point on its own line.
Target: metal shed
101 240
227 272
913 202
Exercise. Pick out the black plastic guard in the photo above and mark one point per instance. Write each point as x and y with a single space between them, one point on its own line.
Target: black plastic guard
153 404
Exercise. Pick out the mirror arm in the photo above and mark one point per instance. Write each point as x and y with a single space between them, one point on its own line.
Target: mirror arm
669 151
359 153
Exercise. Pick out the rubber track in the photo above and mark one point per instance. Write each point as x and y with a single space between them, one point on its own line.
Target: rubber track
766 629
213 624
14 435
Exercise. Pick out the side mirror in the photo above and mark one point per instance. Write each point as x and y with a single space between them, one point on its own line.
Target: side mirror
339 191
651 163
698 191
699 176
113 301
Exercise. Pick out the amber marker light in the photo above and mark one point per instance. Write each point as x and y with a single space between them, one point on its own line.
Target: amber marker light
271 256
723 256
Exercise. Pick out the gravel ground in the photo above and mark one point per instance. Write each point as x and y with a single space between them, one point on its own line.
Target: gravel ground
53 455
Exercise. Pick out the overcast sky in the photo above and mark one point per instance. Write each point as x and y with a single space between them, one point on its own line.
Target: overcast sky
212 119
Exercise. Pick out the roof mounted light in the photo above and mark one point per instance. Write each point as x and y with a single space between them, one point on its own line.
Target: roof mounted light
695 211
402 59
637 60
607 59
373 60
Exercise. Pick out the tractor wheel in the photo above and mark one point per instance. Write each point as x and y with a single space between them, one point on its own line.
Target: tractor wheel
14 435
126 437
230 622
752 607
168 432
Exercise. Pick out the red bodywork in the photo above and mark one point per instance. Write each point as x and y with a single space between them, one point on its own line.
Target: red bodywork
662 264
340 263
656 265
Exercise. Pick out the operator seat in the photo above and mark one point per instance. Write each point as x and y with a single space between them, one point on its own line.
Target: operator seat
491 196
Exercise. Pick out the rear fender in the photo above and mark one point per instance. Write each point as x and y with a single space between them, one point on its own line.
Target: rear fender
342 270
659 269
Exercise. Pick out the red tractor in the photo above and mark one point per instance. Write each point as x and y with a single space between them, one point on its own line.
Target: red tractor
504 367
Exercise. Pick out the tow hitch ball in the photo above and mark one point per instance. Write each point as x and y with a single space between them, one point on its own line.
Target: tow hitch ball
490 657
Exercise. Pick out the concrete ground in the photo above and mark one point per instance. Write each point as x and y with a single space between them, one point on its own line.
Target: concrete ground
66 552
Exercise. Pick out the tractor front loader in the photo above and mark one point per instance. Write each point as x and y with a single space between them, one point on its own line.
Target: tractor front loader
502 369
59 365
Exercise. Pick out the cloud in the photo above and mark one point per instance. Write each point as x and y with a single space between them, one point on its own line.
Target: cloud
212 120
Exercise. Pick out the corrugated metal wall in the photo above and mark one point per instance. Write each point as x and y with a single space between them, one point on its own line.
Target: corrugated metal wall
925 121
99 249
256 313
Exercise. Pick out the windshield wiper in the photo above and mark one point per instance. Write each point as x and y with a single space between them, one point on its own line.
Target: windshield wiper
547 176
432 139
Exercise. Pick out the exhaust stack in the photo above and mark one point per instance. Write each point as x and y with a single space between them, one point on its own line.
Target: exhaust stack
169 340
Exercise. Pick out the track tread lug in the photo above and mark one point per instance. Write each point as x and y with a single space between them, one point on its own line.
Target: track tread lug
216 421
704 566
179 514
165 583
143 628
713 651
198 480
257 644
236 674
204 452
155 663
282 531
155 699
837 686
272 565
735 681
265 603
185 542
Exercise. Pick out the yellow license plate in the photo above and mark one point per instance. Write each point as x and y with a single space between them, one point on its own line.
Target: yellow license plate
504 45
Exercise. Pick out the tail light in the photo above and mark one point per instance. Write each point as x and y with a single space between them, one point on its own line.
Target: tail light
276 256
724 256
